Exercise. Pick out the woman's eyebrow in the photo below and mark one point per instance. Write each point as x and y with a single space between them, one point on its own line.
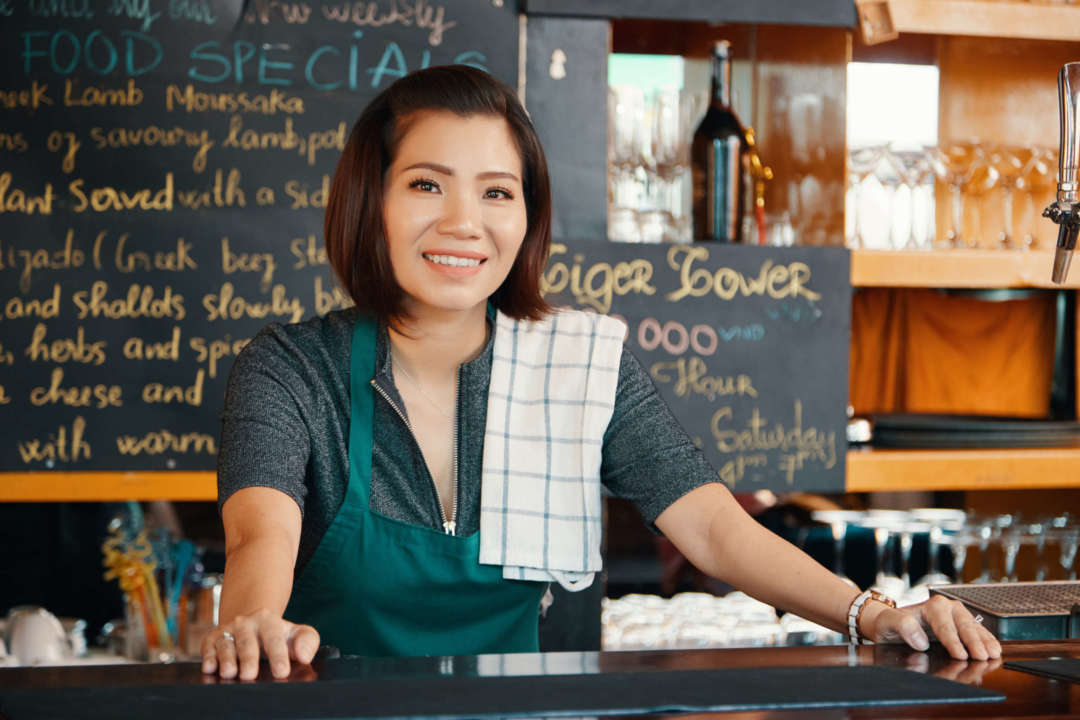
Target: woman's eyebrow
444 170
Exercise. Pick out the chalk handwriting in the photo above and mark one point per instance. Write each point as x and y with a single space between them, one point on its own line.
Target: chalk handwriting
58 446
13 142
159 393
17 307
774 281
199 11
420 13
21 200
153 136
189 100
227 305
66 9
165 441
307 146
137 348
211 351
32 98
139 301
134 9
97 396
797 444
27 260
599 283
689 376
62 350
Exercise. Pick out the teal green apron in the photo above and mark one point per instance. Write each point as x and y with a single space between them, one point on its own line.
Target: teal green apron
379 586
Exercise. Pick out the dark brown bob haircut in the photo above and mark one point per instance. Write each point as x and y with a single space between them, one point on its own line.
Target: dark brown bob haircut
354 230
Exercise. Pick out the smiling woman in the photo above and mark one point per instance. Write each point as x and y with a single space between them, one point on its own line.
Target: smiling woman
409 476
459 219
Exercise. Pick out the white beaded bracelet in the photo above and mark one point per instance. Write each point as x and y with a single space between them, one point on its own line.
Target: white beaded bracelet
855 612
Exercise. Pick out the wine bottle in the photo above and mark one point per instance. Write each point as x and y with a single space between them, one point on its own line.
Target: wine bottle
716 160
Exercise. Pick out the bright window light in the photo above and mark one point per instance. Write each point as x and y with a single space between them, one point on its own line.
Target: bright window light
895 103
648 72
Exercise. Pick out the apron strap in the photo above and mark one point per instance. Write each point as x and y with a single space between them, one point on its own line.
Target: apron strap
361 371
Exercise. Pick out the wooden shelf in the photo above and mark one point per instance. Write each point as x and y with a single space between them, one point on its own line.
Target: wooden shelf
956 269
983 469
987 18
829 13
868 470
107 486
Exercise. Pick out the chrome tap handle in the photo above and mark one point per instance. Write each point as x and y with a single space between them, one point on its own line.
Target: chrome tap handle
1069 113
1065 211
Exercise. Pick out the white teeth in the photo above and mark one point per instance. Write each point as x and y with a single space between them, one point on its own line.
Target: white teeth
452 260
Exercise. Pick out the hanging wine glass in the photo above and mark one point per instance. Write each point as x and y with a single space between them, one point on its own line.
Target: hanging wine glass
838 521
886 525
1068 540
941 522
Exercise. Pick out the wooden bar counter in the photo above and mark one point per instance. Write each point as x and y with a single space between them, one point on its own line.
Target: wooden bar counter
145 687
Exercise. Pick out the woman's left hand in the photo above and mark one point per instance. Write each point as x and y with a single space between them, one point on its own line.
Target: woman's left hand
947 620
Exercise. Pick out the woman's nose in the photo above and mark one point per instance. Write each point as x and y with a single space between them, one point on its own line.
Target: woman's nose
461 216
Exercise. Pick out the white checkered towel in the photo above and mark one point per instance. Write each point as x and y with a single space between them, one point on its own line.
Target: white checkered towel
551 397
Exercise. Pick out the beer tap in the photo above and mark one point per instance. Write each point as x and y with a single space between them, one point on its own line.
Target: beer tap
1065 211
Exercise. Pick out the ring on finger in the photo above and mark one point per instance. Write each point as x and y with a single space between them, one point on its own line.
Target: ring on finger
228 636
978 619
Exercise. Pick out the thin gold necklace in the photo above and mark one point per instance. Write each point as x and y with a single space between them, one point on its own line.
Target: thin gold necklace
414 381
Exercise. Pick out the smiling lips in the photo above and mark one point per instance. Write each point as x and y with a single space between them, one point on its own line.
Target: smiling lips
456 264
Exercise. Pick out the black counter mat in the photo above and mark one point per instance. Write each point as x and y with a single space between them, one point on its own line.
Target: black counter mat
1067 669
545 695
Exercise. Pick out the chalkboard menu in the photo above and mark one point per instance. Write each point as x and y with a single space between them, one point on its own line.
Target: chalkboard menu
164 165
747 345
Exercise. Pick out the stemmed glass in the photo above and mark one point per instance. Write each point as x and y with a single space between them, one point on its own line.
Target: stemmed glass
626 120
952 165
1018 536
940 521
1067 536
674 119
838 521
986 532
964 538
664 143
1009 162
861 165
1038 177
907 532
982 179
991 531
884 523
913 168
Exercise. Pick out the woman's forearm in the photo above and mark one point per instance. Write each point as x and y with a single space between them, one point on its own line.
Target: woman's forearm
258 576
767 567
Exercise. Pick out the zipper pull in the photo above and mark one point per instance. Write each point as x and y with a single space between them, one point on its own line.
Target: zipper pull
450 527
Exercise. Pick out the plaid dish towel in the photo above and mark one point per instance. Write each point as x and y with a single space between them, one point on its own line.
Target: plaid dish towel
550 400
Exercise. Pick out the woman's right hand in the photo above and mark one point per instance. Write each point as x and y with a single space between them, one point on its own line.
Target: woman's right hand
233 650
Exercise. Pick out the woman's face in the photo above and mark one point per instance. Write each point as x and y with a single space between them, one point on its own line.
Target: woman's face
454 210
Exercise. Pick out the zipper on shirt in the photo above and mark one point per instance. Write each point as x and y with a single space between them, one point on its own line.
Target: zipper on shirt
449 525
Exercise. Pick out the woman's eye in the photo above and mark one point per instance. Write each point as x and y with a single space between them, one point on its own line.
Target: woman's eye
424 185
497 193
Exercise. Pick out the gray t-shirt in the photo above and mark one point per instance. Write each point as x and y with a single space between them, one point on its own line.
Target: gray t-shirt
286 426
